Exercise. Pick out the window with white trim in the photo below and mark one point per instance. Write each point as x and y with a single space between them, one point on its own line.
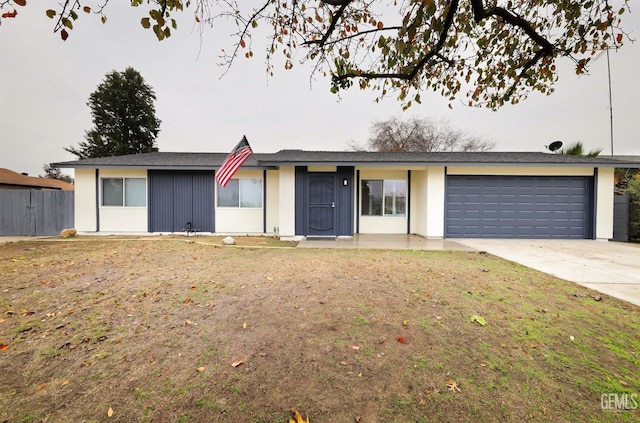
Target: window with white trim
386 197
241 192
124 192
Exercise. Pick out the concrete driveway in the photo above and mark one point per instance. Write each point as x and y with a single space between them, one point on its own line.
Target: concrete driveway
612 268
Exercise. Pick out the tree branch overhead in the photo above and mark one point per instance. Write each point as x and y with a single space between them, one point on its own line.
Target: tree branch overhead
487 53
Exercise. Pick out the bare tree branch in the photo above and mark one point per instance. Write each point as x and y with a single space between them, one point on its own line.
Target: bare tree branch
420 134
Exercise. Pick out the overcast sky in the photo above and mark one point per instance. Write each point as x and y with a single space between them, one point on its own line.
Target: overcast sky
46 84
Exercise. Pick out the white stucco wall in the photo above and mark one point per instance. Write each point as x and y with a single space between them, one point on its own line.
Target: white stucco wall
435 202
381 224
287 194
243 221
119 218
85 200
240 220
604 203
418 200
272 200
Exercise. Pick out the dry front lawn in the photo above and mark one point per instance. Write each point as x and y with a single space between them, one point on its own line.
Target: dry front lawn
179 331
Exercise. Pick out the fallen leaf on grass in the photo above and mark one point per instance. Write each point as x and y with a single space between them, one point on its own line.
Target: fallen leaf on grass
237 363
355 347
478 319
298 417
42 386
200 369
405 322
400 339
4 347
453 386
64 382
110 412
244 325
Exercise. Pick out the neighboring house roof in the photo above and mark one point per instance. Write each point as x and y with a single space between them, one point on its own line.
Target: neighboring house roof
15 179
167 160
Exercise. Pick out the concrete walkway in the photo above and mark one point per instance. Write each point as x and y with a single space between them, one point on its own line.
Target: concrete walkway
6 239
612 268
386 242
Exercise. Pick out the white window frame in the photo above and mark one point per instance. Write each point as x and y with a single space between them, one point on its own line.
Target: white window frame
384 198
124 192
240 206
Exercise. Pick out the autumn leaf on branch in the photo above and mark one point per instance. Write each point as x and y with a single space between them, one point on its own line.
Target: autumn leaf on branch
482 53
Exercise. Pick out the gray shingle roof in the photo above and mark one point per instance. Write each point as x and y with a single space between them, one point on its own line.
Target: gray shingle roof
157 160
441 158
192 161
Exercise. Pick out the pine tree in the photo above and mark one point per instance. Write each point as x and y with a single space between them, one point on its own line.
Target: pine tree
123 113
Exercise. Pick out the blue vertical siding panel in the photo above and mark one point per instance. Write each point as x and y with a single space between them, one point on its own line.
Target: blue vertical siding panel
203 204
160 186
182 201
178 197
301 200
345 201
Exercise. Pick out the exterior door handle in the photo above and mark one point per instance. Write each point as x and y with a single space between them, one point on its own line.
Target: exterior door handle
333 204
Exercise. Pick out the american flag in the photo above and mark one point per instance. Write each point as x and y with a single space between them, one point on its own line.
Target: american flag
234 160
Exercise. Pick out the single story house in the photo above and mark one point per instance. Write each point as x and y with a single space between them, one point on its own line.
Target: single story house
296 193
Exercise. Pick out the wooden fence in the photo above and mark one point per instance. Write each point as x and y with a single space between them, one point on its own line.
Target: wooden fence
35 212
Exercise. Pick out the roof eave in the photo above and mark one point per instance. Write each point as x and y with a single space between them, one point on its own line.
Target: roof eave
434 163
152 167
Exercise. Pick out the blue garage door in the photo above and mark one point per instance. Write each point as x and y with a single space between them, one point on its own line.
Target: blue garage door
519 207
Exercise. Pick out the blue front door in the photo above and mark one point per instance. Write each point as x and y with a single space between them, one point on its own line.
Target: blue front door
322 205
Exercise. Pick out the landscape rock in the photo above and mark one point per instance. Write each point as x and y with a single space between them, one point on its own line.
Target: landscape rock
68 233
228 241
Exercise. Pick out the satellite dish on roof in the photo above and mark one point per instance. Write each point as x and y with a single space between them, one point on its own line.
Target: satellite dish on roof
556 145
